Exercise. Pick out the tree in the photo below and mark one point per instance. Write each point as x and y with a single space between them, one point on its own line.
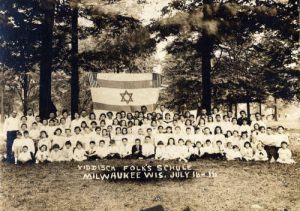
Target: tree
20 42
74 61
46 105
208 23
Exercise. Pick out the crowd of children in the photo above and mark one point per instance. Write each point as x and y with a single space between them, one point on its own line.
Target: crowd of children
161 135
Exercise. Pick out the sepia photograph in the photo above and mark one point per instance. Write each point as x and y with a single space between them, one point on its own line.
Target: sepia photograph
149 105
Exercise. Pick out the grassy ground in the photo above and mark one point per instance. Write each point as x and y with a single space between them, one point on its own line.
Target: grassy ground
238 186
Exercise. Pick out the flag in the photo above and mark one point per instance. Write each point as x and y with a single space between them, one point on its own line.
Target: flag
92 80
125 92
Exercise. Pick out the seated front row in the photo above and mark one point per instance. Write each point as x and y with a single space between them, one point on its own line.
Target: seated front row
181 151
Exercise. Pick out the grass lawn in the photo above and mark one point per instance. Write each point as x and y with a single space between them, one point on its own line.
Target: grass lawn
238 186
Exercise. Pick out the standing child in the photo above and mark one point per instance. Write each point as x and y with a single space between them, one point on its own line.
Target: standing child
285 154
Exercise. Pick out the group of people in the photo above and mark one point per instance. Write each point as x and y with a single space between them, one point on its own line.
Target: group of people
160 135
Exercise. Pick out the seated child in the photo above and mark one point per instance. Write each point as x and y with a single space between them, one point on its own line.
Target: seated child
180 151
67 152
198 150
191 151
285 154
91 152
114 150
148 148
42 154
260 153
234 154
247 151
171 149
102 150
55 154
137 152
207 150
25 156
125 149
160 151
79 153
219 153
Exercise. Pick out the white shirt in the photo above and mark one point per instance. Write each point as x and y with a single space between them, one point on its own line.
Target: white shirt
148 149
24 156
11 124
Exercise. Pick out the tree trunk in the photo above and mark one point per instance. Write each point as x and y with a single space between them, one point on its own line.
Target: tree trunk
25 94
45 103
2 89
248 109
236 109
230 106
260 108
74 63
206 48
275 110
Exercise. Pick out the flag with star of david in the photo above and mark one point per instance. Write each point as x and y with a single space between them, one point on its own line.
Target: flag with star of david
125 92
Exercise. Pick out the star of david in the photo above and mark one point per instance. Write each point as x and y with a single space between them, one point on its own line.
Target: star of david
126 97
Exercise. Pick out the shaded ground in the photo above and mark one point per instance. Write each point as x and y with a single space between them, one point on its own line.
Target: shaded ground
238 186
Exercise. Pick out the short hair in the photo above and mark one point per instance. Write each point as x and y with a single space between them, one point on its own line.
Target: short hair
160 143
55 146
78 143
284 142
68 143
101 141
92 142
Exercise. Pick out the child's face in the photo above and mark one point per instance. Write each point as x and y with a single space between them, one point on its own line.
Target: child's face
55 149
79 146
208 143
25 149
101 144
180 143
219 144
68 146
198 145
58 132
236 149
247 146
284 145
137 142
26 135
92 145
43 148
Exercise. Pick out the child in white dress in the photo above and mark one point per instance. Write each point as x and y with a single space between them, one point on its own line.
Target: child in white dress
285 154
42 154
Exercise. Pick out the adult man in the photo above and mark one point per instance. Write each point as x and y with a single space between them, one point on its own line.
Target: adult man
11 126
